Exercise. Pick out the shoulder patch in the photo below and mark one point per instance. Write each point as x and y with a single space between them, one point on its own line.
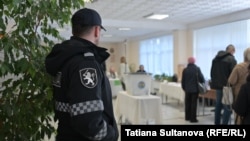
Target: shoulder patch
88 54
88 77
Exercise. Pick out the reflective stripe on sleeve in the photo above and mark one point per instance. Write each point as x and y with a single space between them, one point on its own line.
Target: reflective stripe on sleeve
101 134
80 108
62 107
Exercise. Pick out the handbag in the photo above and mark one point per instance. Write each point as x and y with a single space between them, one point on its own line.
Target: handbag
201 86
227 97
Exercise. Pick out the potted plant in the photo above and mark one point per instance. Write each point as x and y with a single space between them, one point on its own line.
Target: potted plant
25 90
157 77
163 77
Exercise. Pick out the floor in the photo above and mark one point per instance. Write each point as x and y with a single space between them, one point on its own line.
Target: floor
173 114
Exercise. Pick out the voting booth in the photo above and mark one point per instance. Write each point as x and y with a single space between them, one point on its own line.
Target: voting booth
136 105
138 83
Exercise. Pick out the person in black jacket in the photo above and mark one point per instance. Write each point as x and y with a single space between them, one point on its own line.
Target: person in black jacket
222 66
82 92
141 69
189 83
242 104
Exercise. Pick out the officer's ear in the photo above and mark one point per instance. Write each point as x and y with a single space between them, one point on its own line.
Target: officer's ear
97 31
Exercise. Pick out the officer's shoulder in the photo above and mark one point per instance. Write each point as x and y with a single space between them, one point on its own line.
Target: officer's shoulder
88 54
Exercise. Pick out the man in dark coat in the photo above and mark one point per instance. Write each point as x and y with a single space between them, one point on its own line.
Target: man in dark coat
222 66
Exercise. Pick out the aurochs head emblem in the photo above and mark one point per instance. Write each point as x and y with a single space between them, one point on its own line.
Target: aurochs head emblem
88 77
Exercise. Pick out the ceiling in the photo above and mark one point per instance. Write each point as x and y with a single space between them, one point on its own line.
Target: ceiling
182 14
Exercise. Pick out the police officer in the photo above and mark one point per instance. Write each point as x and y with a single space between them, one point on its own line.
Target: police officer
82 93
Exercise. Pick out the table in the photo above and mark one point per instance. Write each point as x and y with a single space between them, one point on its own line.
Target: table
211 94
172 90
144 109
116 86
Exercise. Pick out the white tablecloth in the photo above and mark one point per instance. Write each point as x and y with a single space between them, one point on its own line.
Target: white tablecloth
139 109
172 90
116 86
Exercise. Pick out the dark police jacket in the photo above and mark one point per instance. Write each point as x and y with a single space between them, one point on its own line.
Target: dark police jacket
82 93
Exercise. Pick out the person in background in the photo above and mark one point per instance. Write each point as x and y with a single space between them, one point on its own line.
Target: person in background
112 73
141 69
242 104
222 66
82 92
189 83
175 78
238 77
124 69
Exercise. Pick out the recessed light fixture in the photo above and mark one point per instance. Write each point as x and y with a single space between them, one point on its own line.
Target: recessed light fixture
124 28
156 16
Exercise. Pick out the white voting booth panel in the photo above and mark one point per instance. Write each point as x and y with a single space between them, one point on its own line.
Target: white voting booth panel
138 83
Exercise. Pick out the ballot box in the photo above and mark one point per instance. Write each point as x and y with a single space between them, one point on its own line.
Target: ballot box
138 83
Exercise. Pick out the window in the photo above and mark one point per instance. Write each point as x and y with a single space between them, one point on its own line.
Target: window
157 55
208 41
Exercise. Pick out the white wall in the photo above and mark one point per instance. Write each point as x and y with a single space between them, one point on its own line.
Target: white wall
129 49
183 41
182 50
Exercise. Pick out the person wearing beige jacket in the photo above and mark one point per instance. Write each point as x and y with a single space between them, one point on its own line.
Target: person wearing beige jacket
238 77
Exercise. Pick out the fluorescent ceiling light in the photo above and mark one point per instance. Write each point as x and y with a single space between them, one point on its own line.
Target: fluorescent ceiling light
157 16
124 28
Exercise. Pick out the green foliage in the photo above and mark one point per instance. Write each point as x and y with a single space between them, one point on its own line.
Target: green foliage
25 90
163 77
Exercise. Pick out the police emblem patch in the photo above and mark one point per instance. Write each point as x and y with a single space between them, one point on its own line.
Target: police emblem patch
88 77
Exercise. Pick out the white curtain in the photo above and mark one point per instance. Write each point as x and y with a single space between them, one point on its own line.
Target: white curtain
157 55
208 41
